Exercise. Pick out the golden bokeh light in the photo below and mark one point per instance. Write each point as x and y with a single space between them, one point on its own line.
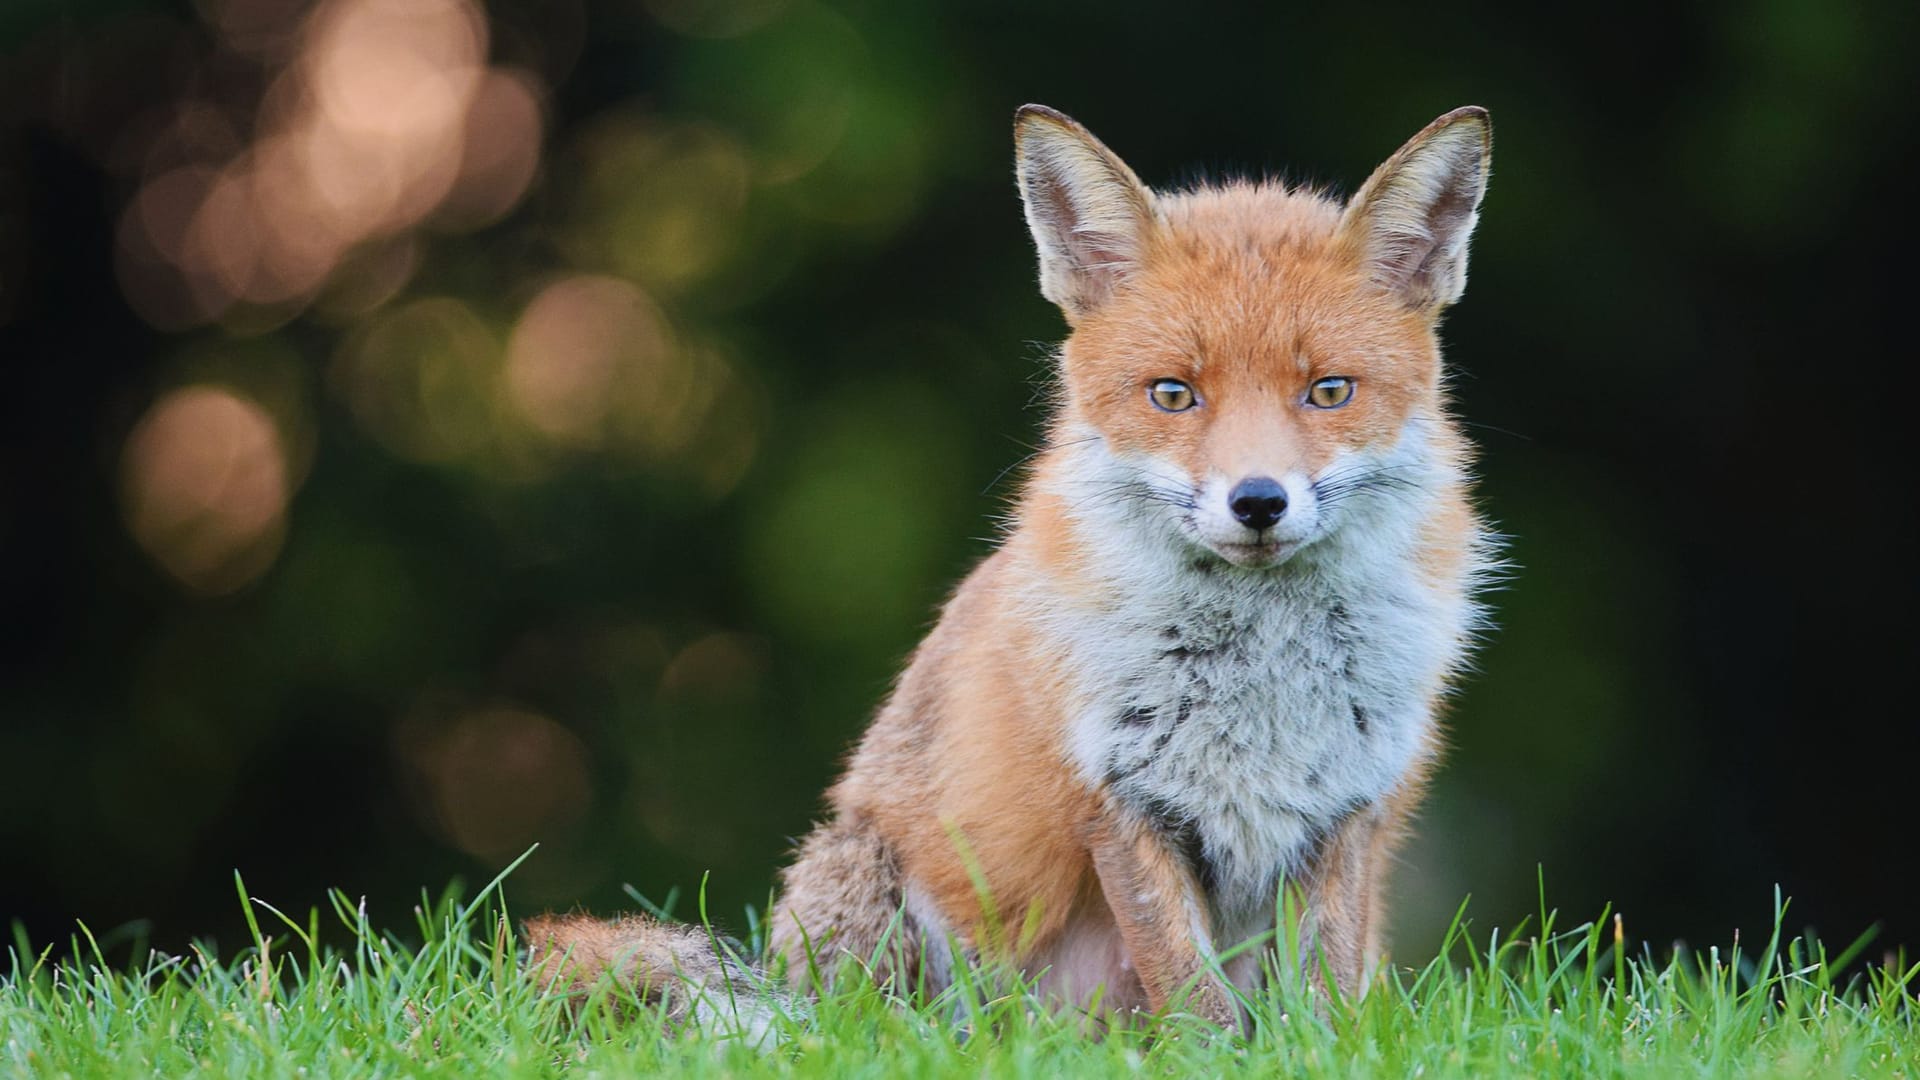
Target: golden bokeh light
660 204
221 240
497 779
166 207
579 339
500 150
702 419
592 364
719 665
421 380
150 242
729 432
205 484
369 276
394 67
382 115
378 123
388 85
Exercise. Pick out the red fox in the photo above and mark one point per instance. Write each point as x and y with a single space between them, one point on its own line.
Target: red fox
1207 657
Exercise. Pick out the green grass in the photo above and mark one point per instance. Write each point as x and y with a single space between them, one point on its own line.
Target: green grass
449 998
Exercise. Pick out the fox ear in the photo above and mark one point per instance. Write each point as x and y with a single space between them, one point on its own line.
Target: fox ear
1090 216
1411 220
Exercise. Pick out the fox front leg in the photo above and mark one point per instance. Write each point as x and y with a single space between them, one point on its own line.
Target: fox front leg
1162 918
1345 909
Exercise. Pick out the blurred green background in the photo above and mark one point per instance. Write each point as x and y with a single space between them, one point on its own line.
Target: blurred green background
428 429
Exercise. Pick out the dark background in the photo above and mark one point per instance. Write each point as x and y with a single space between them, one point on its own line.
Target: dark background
354 573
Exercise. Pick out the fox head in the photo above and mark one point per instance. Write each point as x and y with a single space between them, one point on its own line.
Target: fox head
1251 368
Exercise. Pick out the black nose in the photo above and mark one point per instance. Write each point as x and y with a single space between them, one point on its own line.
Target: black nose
1257 501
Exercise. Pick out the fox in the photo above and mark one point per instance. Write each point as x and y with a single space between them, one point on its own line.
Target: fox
1204 668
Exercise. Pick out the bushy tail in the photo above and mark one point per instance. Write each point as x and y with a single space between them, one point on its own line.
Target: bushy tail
635 960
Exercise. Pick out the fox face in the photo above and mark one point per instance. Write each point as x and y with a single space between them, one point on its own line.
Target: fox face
1253 409
1256 366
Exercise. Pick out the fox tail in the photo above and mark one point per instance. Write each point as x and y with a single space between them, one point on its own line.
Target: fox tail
638 961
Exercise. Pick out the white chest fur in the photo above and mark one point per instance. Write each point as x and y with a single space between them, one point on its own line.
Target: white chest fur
1248 712
1251 724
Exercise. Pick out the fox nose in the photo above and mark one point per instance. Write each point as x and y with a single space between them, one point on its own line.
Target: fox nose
1257 501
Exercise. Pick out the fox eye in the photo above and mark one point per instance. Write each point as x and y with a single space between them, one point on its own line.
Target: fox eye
1330 393
1171 395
